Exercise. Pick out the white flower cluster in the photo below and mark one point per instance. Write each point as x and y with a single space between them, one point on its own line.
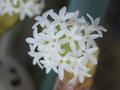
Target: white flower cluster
21 7
66 43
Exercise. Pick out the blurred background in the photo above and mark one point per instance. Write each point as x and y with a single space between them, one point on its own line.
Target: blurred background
16 69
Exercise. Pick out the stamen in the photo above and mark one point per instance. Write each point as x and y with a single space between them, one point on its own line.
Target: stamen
61 61
69 38
54 40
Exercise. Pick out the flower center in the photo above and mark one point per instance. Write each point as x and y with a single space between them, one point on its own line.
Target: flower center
61 61
69 38
54 40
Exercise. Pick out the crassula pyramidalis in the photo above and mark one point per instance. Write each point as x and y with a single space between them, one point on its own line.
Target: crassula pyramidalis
66 43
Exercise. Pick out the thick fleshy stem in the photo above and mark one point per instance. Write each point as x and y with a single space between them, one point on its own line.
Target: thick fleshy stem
60 85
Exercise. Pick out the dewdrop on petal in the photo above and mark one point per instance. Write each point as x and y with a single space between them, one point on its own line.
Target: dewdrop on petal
23 8
65 44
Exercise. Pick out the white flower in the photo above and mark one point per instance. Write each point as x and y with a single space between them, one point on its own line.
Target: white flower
95 27
62 17
66 43
34 41
90 39
52 39
88 54
81 73
71 37
37 57
22 7
56 62
42 20
52 65
62 66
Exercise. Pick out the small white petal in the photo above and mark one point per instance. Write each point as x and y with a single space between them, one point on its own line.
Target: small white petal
30 40
38 18
40 65
74 29
91 18
72 46
57 46
35 60
59 34
51 34
81 78
35 33
60 72
73 80
88 44
81 27
76 14
101 28
54 16
62 12
22 16
35 25
93 43
48 70
69 15
82 20
47 13
100 33
94 36
44 37
92 50
76 38
87 75
93 59
97 20
81 45
55 69
32 48
63 41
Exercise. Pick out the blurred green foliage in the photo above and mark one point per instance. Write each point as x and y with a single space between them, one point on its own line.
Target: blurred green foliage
6 22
